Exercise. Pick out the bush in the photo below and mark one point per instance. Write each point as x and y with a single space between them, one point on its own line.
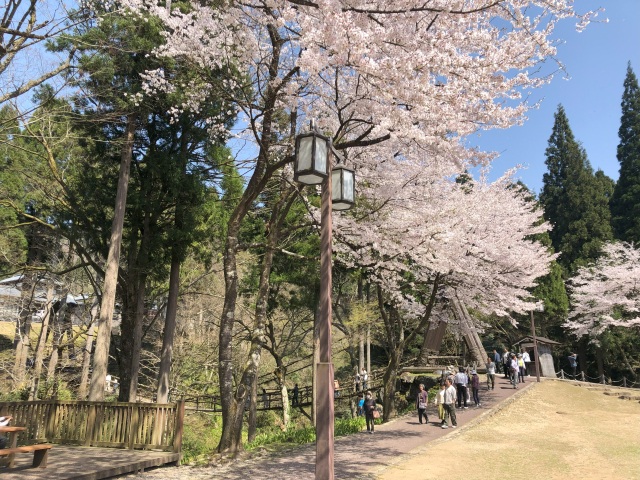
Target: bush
402 404
267 418
348 426
200 437
300 436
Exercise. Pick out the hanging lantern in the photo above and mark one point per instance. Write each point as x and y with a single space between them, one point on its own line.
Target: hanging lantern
343 187
312 158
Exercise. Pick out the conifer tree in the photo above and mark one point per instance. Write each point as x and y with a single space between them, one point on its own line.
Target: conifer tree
625 203
575 200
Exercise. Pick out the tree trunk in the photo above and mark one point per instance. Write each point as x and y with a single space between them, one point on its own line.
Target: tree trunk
284 394
281 377
369 350
253 411
22 342
361 350
103 340
131 338
57 346
389 381
231 440
42 340
177 255
168 335
86 361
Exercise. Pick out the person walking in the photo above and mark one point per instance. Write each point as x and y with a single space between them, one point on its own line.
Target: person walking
475 387
421 404
513 369
573 363
497 359
369 408
360 405
450 405
358 381
364 376
491 374
440 403
296 391
521 365
506 363
527 359
462 380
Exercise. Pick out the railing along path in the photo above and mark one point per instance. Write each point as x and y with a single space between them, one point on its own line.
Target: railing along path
150 426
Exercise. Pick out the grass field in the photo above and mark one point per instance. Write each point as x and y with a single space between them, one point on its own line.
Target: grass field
555 431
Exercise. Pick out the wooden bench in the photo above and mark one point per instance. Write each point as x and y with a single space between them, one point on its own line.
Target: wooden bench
40 453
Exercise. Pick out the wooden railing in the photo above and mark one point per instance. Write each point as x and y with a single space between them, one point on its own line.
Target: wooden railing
150 426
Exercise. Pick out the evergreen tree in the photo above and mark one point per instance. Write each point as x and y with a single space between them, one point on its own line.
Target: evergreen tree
625 204
575 200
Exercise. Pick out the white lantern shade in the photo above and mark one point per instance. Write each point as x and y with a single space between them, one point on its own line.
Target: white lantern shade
311 164
343 188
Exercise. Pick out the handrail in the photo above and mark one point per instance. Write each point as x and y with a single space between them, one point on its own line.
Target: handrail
105 424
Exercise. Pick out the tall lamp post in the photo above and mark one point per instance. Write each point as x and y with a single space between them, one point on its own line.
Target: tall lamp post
538 308
313 166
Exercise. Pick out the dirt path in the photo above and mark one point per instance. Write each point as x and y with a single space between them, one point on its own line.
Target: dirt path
356 456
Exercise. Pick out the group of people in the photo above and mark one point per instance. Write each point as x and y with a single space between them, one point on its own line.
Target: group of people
514 365
456 390
453 393
362 380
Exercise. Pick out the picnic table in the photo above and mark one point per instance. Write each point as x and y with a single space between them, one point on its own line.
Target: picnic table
39 451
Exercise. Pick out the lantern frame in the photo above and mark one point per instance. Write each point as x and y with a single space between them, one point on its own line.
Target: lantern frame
343 187
312 170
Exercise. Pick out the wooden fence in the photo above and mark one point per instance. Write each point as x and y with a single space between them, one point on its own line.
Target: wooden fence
150 426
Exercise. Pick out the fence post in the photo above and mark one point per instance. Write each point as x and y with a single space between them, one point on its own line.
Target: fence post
562 374
624 382
603 380
51 420
91 422
177 433
582 376
133 425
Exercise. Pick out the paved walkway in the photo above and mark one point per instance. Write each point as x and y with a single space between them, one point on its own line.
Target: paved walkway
356 456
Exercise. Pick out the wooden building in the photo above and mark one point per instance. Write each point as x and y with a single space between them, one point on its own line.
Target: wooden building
545 347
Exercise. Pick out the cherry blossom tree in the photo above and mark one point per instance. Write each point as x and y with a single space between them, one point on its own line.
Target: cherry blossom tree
398 85
25 27
423 241
606 293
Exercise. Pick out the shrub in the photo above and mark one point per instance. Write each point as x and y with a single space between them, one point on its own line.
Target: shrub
200 437
348 426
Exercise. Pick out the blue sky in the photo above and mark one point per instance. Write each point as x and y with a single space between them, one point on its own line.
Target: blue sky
596 61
